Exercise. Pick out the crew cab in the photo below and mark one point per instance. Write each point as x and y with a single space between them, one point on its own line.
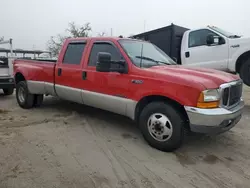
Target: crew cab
207 47
134 78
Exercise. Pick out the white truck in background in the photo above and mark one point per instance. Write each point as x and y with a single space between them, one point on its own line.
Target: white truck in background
6 70
208 47
6 63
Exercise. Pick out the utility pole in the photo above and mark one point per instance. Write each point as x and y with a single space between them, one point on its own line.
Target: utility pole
111 32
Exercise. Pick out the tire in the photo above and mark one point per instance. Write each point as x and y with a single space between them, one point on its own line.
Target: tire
175 122
8 91
24 98
245 72
38 100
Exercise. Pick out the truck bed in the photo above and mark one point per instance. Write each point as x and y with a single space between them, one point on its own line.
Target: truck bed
38 60
39 70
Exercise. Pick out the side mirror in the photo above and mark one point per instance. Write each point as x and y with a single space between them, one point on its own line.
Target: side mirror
210 40
105 64
222 40
216 40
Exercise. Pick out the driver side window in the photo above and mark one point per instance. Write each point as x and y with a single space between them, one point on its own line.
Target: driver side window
199 37
103 47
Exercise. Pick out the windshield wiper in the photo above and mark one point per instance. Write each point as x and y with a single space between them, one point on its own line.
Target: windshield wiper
153 60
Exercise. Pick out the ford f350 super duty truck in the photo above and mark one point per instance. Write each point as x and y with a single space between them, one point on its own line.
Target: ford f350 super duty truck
208 47
136 79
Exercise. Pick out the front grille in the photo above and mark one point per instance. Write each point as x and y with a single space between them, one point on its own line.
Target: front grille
225 96
6 80
235 94
231 94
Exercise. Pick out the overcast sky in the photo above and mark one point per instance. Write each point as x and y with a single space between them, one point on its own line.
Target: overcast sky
31 22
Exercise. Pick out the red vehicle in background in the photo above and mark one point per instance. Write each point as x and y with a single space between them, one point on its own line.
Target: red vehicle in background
136 79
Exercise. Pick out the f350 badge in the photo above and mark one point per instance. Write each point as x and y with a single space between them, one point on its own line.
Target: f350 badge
137 81
235 46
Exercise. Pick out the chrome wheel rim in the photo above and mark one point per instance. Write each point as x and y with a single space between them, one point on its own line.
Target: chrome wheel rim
21 95
160 127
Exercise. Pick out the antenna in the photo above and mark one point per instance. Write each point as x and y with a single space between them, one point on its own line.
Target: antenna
111 32
141 54
144 27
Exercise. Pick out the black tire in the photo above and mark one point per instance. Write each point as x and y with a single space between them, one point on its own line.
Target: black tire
28 98
38 100
8 91
176 139
245 72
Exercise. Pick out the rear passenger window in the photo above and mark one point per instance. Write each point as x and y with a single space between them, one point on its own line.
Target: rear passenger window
74 53
103 47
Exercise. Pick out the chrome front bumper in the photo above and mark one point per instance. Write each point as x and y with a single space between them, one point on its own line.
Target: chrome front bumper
215 120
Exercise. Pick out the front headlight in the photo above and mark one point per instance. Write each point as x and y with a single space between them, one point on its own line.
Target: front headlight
209 99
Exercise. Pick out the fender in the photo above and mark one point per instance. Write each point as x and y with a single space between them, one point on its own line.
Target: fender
29 71
178 94
232 61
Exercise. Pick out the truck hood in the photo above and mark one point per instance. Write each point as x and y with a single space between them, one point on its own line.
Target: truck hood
242 40
208 78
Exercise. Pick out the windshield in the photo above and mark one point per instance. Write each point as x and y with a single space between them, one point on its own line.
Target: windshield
145 54
225 33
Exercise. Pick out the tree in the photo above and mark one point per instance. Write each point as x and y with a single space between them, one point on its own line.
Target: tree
82 31
1 39
102 34
55 43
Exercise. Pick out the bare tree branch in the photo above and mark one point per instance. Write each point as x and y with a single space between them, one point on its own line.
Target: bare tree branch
55 43
102 34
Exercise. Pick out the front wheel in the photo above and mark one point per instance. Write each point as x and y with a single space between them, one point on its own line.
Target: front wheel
8 91
245 72
162 126
24 98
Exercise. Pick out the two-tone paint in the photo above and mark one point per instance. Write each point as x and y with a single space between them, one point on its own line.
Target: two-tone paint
112 91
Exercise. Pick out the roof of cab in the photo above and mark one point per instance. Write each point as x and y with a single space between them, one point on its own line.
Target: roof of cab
98 38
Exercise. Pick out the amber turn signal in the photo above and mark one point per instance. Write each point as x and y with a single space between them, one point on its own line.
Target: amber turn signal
209 104
214 104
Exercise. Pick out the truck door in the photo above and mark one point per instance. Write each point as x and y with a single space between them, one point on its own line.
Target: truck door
105 90
195 51
68 71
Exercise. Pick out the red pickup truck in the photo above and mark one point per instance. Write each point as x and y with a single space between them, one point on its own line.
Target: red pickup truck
136 79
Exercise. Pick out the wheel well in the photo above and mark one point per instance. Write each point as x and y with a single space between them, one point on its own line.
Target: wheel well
243 57
19 77
153 98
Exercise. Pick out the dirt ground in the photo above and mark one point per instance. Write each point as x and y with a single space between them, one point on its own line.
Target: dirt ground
63 144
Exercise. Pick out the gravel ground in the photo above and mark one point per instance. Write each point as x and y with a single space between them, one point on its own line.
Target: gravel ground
63 144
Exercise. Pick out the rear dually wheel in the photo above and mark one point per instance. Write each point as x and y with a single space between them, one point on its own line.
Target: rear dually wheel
24 98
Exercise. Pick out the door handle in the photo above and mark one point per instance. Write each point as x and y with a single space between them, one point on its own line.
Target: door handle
187 54
59 72
84 75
